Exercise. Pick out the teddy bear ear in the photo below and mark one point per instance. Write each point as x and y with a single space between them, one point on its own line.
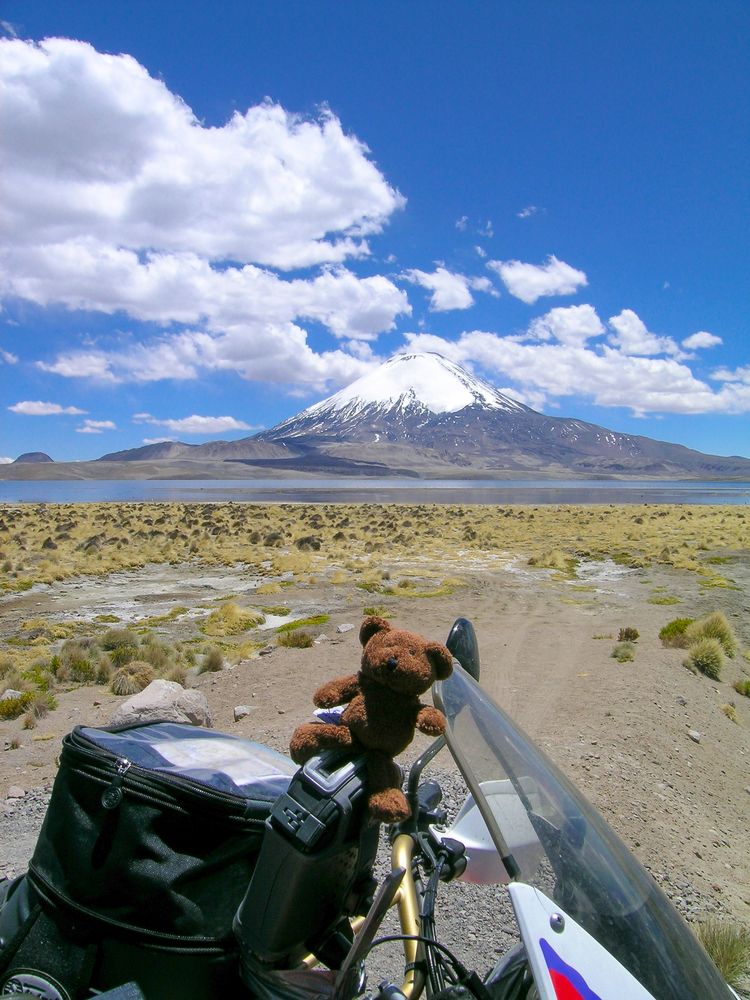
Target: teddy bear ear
441 660
371 626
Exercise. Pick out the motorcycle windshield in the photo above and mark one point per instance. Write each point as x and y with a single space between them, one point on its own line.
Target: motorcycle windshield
549 835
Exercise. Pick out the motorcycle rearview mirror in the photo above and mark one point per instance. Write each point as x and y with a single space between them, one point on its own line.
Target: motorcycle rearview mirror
463 645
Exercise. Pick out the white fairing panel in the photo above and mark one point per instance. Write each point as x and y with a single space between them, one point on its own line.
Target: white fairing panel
565 960
483 864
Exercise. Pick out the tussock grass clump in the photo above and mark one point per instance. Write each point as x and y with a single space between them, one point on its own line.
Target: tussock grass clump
132 678
624 652
40 703
296 640
80 662
11 708
302 623
673 633
628 634
730 711
178 673
121 655
212 662
742 687
378 610
714 626
555 559
728 946
706 656
116 638
231 619
664 599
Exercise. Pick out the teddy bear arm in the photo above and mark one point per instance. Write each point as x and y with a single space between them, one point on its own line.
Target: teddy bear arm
336 692
430 721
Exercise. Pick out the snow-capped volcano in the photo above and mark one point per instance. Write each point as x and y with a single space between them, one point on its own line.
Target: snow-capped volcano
407 388
422 412
421 415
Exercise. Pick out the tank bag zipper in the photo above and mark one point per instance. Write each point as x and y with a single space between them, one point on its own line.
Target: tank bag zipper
113 793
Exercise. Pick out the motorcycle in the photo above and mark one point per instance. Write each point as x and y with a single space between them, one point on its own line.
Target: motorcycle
592 923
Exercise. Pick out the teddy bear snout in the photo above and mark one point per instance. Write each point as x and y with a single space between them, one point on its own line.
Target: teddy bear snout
392 662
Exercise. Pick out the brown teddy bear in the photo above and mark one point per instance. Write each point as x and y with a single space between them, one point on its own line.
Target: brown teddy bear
383 710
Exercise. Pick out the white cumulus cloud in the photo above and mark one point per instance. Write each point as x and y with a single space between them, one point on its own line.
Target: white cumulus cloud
36 408
195 424
632 337
701 339
529 282
549 371
96 426
449 290
572 325
93 143
114 198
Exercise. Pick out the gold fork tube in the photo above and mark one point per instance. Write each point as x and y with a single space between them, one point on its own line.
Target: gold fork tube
408 915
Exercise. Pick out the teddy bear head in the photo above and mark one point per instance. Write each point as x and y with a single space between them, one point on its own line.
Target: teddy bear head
401 661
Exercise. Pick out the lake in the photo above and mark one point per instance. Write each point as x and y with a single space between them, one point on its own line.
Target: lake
449 491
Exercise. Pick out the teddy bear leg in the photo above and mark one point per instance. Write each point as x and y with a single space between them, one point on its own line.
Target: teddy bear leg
386 802
312 737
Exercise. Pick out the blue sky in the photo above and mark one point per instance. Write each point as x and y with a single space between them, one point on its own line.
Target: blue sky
212 218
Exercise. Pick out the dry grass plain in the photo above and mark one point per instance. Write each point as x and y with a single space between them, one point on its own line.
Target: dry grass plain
548 588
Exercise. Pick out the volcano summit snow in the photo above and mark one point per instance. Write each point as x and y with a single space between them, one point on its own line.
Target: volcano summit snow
410 385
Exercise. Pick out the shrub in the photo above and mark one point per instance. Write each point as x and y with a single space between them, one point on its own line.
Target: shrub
706 656
301 622
730 711
78 663
132 677
379 610
11 708
728 945
714 626
624 652
673 633
158 654
296 640
230 619
121 655
213 661
742 687
113 638
177 673
12 680
628 635
39 705
7 666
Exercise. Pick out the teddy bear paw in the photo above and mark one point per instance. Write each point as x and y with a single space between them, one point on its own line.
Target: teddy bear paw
389 806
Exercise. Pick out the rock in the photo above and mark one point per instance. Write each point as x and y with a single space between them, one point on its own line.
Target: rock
240 711
681 701
16 792
321 638
694 735
164 701
266 650
344 628
10 693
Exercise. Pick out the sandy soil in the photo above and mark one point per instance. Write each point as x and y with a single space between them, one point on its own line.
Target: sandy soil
620 731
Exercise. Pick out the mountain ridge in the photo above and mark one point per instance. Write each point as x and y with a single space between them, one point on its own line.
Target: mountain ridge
418 415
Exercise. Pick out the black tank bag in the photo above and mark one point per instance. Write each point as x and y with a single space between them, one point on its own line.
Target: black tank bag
148 845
